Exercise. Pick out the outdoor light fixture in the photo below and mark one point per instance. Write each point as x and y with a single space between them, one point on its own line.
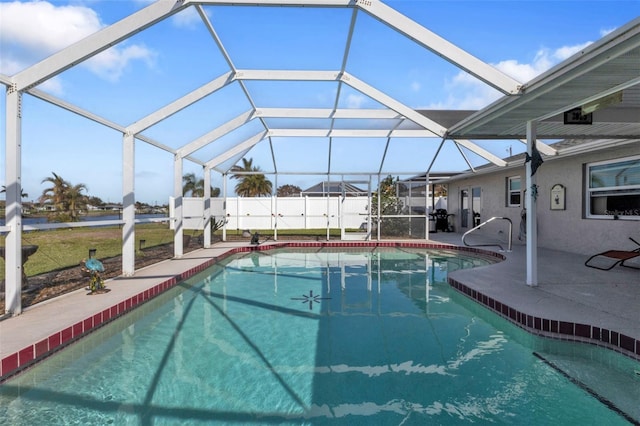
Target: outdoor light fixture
92 252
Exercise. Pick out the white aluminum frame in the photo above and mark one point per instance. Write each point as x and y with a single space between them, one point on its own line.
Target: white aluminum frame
26 81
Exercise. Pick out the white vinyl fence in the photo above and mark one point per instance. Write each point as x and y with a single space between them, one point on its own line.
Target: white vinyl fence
276 212
281 213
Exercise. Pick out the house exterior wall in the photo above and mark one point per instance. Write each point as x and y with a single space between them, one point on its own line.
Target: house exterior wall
566 230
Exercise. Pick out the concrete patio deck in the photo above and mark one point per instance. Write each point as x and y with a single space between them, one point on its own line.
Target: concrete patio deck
567 290
568 293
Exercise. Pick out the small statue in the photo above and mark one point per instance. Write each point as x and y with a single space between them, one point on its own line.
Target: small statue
92 268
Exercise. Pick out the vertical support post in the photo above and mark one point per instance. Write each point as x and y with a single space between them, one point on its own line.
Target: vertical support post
306 212
128 205
410 206
207 208
341 200
13 212
275 207
379 218
530 204
426 205
328 205
224 207
178 211
239 225
369 209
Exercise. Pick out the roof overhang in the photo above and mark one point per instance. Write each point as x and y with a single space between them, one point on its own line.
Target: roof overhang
604 76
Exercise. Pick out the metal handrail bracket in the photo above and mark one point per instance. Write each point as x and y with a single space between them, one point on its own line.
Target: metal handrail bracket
484 223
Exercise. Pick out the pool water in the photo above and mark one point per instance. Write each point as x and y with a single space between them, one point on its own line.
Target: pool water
306 337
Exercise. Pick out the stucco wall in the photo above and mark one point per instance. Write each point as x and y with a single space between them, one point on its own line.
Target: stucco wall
565 230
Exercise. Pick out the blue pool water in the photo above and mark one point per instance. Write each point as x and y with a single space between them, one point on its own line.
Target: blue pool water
307 337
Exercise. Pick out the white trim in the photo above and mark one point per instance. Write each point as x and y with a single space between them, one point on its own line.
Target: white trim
588 191
511 191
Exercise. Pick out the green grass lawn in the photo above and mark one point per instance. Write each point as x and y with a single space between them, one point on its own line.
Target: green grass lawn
63 248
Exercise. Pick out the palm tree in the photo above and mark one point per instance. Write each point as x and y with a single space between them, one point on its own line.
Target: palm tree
250 185
67 199
190 184
196 187
56 193
76 201
22 193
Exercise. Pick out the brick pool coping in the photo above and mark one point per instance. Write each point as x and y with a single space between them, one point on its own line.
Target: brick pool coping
546 327
561 330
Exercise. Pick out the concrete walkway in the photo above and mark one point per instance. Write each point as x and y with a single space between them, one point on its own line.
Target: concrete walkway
42 320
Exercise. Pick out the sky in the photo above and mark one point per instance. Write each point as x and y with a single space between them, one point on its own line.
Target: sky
164 62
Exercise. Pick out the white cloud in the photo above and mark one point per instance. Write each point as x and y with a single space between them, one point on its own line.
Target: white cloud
606 31
416 86
567 51
355 101
188 18
53 86
111 63
33 30
467 92
40 26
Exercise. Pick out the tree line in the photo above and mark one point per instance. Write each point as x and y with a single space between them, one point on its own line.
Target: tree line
69 200
251 183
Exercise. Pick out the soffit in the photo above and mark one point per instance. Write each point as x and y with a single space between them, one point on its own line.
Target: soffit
607 67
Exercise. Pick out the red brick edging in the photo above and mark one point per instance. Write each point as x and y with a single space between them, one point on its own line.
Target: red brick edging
563 330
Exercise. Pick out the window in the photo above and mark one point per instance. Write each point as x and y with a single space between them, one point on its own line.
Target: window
613 189
513 191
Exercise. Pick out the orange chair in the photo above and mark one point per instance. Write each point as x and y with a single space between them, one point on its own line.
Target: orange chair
617 256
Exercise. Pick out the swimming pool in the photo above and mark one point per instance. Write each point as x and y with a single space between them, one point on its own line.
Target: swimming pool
309 337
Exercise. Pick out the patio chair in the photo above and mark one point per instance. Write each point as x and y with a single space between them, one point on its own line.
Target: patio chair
618 257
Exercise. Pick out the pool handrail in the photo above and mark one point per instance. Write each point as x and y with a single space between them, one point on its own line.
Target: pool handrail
484 223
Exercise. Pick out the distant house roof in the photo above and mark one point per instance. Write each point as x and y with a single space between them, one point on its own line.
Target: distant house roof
333 188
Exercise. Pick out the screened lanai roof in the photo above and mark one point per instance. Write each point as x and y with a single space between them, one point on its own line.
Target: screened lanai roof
299 113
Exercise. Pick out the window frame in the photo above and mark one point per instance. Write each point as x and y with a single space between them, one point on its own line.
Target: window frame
588 191
510 192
